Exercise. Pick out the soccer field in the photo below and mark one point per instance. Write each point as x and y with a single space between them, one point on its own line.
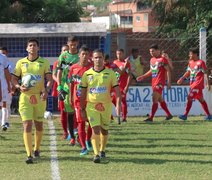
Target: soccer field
162 150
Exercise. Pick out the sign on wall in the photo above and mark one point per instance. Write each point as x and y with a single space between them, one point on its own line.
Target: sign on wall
139 101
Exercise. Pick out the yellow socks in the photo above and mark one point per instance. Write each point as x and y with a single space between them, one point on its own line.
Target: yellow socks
103 141
95 139
28 143
38 137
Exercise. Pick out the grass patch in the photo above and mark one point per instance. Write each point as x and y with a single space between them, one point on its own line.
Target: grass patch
162 150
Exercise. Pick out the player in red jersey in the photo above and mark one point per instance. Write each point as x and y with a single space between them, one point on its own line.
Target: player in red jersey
160 71
63 114
197 71
74 76
124 80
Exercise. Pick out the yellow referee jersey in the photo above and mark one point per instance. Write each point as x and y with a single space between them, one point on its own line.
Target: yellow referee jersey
99 85
36 69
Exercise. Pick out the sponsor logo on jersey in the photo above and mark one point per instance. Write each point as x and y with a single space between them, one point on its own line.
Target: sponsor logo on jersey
38 77
98 90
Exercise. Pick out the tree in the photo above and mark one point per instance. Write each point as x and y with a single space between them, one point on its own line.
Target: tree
176 16
183 18
39 11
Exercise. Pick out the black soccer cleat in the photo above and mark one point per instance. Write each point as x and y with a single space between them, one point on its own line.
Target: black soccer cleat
29 160
96 159
102 154
36 154
169 117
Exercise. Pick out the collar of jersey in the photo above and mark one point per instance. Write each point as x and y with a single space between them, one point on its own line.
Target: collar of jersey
98 71
33 59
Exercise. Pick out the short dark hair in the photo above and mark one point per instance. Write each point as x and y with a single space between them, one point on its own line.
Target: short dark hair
121 50
33 40
72 38
154 46
84 48
65 45
3 48
194 50
98 51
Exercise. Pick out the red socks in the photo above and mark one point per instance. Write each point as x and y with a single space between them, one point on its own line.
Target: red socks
154 109
164 107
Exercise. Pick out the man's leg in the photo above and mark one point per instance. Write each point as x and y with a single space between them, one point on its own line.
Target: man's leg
155 97
27 136
165 108
95 139
103 142
38 137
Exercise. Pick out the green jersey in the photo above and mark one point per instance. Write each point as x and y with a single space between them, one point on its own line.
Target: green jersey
65 61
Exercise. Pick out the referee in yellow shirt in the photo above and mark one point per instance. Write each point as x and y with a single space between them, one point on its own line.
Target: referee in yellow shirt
96 85
32 71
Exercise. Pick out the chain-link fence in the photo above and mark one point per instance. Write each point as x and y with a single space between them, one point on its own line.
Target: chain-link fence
176 47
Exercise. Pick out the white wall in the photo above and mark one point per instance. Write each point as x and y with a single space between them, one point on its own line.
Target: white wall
103 19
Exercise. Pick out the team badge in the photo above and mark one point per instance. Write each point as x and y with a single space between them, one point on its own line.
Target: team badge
99 107
90 78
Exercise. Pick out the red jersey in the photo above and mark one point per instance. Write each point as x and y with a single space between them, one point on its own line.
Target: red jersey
197 70
74 77
54 87
123 77
159 72
111 66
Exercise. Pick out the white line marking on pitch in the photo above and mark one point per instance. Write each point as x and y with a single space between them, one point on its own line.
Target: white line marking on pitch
53 151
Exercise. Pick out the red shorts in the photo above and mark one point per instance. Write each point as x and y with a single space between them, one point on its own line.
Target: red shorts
158 88
78 112
195 94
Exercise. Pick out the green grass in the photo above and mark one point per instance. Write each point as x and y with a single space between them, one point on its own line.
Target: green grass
162 150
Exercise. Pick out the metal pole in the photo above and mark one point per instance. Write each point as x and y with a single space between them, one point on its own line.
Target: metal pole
202 44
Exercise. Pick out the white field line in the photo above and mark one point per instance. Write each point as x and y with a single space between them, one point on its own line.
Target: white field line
53 150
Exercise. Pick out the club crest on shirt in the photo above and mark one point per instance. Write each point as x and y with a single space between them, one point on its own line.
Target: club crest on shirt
39 65
90 78
26 65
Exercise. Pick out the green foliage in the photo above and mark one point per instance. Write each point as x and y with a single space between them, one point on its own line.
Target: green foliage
180 18
189 15
39 11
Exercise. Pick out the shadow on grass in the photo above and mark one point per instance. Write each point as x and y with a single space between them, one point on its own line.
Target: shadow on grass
155 139
156 161
130 146
161 153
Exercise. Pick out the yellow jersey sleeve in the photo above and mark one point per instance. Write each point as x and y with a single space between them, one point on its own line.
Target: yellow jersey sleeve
114 79
17 70
47 69
84 83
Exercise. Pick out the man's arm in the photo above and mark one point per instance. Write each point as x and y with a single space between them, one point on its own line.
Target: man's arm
118 100
128 82
17 85
8 78
207 81
82 102
44 93
168 76
59 76
54 76
144 76
185 75
71 96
